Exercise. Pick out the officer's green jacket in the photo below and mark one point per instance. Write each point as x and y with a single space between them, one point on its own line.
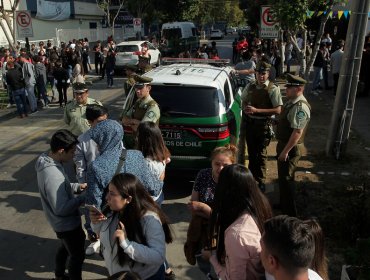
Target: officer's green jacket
144 110
75 116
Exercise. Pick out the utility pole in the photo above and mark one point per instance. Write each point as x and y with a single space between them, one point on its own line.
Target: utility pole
348 79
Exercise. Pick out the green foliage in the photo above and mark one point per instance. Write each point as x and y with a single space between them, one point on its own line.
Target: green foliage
291 14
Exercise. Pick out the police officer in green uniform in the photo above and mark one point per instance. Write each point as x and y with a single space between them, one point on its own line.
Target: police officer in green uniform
144 65
130 74
260 100
75 111
290 134
143 109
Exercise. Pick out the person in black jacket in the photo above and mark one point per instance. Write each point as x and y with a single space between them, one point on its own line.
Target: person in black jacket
15 81
61 76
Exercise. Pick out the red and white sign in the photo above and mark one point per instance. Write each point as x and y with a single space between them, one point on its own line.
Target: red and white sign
24 24
137 24
269 27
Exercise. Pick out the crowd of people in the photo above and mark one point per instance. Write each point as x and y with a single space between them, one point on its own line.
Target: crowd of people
118 186
57 67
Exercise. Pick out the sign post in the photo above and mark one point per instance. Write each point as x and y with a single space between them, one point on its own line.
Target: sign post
269 27
137 24
24 24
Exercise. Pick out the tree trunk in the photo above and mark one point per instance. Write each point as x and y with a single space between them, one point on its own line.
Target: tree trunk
316 46
8 38
282 51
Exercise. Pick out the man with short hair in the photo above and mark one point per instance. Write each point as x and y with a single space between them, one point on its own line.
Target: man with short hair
290 134
287 249
130 74
86 152
145 108
336 61
75 111
60 205
260 101
30 81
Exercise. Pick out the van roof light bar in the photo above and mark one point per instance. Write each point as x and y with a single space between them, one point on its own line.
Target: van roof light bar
218 62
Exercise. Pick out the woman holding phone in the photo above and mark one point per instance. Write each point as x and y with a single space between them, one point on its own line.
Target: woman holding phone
133 230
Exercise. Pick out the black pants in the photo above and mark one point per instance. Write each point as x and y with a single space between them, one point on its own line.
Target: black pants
286 170
335 80
98 62
72 247
62 90
257 137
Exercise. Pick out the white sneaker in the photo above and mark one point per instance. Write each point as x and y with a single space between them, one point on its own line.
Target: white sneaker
93 248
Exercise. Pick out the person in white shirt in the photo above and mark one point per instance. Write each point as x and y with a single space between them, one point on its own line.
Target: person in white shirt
336 61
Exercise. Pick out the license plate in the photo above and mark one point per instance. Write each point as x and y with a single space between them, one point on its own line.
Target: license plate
171 134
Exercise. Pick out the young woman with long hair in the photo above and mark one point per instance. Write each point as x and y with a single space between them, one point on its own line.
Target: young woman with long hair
150 142
238 214
133 230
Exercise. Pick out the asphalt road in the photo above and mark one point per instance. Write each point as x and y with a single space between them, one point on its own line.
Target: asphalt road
27 242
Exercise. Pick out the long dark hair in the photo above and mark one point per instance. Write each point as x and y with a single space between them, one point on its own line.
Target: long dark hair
129 185
150 142
320 261
236 193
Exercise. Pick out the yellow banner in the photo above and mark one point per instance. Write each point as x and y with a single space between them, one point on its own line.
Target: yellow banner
340 14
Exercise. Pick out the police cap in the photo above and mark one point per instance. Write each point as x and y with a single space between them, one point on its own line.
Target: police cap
79 87
263 67
294 81
142 80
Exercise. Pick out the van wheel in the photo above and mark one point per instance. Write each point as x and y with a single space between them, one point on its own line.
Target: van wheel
158 61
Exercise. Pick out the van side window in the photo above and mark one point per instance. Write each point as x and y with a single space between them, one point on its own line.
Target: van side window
227 94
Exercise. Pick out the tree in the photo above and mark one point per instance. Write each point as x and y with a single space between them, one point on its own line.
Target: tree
6 15
111 9
291 15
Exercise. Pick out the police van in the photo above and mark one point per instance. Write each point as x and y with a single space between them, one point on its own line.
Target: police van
179 37
200 109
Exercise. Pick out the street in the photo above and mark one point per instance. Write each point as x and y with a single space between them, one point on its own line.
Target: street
28 243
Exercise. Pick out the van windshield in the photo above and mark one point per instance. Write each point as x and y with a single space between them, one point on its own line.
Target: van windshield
182 101
173 33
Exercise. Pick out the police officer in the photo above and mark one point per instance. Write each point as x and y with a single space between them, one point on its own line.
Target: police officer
260 101
290 134
144 64
75 111
144 108
130 74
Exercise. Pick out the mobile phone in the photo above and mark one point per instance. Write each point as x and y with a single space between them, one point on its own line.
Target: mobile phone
93 208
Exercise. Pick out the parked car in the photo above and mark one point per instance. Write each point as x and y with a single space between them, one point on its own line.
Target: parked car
200 110
216 34
128 53
230 30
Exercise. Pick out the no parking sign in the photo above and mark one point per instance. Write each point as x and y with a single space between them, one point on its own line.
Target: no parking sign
269 27
24 24
137 24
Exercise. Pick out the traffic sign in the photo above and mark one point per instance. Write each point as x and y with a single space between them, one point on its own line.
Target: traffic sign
137 24
269 27
24 24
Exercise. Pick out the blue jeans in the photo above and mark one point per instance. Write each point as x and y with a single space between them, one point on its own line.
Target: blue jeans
42 92
317 77
19 97
31 97
71 251
110 74
159 275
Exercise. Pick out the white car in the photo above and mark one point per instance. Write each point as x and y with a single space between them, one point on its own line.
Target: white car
230 30
128 53
217 34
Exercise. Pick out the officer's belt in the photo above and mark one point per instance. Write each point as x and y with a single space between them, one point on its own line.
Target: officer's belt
260 118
